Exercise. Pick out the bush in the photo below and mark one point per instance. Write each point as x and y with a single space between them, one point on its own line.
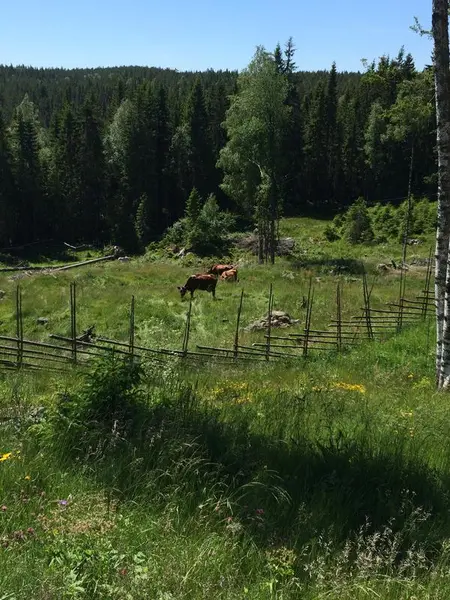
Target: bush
204 230
357 227
209 234
177 234
104 410
331 233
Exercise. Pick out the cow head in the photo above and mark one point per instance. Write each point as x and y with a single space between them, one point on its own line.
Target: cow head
182 289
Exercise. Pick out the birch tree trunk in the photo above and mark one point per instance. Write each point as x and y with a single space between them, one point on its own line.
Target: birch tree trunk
442 273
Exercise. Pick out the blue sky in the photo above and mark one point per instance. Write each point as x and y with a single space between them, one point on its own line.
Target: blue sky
201 34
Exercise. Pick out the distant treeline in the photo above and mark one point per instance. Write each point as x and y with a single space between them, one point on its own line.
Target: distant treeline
112 154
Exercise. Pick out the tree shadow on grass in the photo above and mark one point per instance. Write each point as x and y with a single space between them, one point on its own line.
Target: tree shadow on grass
44 252
344 266
288 490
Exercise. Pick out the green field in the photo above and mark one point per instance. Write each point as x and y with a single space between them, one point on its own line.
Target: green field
325 478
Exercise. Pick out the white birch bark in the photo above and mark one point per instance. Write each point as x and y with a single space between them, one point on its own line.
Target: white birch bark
442 274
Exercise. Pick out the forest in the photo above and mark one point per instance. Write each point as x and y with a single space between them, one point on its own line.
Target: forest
111 155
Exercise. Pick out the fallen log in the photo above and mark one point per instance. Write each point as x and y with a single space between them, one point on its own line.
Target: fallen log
84 262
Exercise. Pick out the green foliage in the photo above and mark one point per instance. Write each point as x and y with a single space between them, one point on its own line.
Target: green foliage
205 230
103 412
143 227
255 124
209 234
357 227
331 233
382 222
193 207
92 142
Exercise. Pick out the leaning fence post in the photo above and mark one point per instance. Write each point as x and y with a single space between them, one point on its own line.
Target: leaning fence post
131 336
427 287
401 301
187 330
236 335
73 320
308 318
367 307
19 327
338 317
269 323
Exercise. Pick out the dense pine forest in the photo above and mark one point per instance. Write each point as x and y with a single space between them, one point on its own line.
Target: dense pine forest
112 154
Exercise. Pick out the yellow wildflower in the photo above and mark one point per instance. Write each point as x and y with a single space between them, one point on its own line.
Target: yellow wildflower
4 457
27 477
350 387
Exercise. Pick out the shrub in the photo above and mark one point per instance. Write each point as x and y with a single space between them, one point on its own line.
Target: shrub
209 234
205 230
105 409
331 233
357 227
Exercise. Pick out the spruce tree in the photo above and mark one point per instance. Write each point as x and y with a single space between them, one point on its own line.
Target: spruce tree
9 224
201 159
316 151
66 175
193 206
162 214
143 225
91 164
24 134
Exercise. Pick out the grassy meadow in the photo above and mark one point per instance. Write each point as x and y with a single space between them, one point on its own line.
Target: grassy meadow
318 479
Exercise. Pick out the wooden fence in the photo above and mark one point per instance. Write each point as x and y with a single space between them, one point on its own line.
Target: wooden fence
62 352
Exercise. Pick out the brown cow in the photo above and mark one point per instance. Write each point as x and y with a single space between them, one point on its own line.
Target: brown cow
203 282
230 275
219 269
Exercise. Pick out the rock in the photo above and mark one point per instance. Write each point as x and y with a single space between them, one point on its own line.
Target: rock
42 321
288 274
279 319
285 246
383 268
